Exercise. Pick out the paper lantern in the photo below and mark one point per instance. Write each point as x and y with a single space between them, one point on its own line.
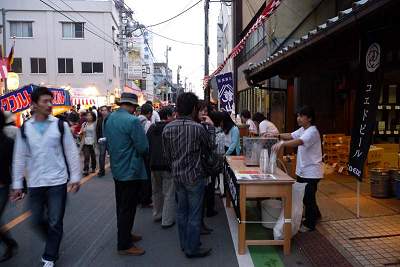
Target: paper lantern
12 81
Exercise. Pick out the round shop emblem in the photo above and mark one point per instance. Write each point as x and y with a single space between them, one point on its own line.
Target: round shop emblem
373 57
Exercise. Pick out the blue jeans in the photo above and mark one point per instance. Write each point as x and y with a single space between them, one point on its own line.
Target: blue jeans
189 211
49 224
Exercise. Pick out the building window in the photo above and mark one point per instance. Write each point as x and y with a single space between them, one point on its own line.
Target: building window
73 30
65 65
92 67
21 29
114 71
146 57
38 65
17 65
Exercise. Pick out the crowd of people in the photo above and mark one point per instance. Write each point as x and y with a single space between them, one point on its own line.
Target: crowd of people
165 160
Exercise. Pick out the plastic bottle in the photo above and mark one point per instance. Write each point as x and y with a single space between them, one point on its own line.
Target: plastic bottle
264 160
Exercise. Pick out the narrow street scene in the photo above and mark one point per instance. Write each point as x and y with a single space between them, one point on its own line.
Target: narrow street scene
248 133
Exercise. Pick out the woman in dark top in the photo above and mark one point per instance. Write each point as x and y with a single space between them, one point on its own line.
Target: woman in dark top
6 148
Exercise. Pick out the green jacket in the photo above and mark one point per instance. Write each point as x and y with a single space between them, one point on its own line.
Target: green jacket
127 144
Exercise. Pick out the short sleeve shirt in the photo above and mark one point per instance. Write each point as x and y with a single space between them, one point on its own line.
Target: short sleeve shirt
309 155
252 126
268 127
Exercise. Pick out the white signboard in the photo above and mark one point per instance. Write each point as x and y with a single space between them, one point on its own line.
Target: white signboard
135 72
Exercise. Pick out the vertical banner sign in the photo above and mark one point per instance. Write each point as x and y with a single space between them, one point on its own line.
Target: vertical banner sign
225 91
372 57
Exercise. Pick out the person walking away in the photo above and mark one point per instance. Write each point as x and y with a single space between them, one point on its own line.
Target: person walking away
232 135
155 117
101 140
309 161
265 127
45 151
6 148
10 129
127 144
88 137
145 119
163 188
183 141
245 117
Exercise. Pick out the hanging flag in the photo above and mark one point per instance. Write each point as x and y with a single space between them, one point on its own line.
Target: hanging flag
225 92
10 58
266 13
372 54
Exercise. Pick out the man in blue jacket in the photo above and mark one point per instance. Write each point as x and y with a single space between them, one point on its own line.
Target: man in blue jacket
127 144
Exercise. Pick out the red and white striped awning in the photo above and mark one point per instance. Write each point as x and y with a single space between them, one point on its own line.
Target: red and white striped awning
82 101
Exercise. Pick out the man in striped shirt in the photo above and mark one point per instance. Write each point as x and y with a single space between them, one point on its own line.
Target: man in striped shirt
184 141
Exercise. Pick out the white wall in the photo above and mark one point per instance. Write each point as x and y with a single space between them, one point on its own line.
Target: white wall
47 42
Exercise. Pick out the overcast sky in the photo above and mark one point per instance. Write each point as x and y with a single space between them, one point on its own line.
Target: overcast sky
189 27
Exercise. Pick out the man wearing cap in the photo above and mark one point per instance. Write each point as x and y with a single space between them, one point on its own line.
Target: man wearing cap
127 144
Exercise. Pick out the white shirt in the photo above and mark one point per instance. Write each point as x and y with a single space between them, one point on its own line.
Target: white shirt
252 126
268 127
155 117
309 155
42 162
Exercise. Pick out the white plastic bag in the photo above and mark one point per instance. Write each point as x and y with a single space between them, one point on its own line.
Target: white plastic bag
297 211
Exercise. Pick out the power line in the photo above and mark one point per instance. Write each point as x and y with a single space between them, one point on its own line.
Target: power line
177 15
58 11
173 40
112 38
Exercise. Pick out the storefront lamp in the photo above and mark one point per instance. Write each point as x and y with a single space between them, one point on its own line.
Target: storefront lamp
12 81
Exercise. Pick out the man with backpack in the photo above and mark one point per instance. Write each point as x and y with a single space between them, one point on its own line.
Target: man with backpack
45 152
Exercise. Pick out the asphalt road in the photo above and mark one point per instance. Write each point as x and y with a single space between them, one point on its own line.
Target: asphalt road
90 234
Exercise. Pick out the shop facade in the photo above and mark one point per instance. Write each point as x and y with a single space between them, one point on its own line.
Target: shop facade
322 69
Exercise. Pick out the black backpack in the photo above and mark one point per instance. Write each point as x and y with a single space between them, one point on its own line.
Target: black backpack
60 124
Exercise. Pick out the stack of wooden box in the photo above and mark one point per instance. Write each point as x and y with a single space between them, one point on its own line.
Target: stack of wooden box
336 151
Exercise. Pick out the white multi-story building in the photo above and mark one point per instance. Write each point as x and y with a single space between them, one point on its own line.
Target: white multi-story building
140 66
67 44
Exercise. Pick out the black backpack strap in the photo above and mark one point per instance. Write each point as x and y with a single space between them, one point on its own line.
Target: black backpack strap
62 130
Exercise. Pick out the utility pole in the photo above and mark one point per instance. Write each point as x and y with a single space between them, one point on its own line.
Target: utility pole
178 78
185 84
206 49
166 56
3 15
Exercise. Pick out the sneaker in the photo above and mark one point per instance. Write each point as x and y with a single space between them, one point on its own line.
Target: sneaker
47 263
304 229
132 251
93 171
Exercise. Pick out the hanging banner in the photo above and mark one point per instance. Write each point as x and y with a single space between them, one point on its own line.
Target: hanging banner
225 91
372 55
20 99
